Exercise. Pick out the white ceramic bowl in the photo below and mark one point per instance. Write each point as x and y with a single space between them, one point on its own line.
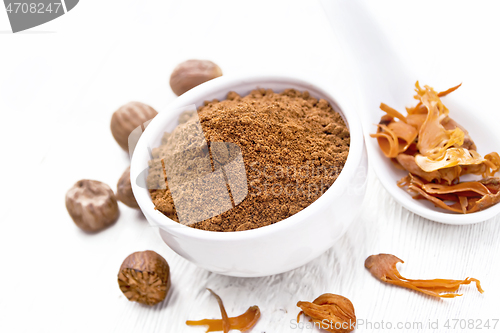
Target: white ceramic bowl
273 249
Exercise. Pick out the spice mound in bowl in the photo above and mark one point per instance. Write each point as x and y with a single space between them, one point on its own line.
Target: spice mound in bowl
293 145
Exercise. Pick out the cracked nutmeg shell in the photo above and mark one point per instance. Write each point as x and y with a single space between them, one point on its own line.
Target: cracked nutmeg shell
124 190
127 118
191 73
92 205
334 313
144 277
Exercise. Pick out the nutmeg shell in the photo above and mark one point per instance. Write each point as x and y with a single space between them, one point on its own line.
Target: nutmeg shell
144 277
92 205
127 118
334 311
191 73
124 190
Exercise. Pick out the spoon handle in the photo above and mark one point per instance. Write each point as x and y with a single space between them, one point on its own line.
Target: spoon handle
381 75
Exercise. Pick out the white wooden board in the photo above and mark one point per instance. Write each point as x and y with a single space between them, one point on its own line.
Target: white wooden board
59 85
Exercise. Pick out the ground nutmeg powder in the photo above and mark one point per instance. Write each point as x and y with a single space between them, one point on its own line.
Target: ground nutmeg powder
293 145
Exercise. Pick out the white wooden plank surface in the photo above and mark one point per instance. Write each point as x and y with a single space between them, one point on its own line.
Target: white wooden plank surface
61 82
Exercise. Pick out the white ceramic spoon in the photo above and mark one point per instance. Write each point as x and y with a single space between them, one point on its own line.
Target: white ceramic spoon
384 78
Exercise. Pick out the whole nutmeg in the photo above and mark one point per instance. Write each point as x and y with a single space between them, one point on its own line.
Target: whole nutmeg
124 190
92 205
191 73
127 119
144 277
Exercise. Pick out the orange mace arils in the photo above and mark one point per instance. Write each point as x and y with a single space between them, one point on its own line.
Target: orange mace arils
465 197
242 323
333 313
437 151
383 267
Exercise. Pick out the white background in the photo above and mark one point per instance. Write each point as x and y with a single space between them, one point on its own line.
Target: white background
60 83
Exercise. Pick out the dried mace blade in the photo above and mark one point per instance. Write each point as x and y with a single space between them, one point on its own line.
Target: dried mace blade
333 313
383 267
226 326
432 146
144 277
242 323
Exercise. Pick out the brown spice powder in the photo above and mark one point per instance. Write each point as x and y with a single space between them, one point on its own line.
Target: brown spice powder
294 147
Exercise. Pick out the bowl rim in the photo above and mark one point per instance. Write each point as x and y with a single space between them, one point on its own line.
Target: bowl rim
204 92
